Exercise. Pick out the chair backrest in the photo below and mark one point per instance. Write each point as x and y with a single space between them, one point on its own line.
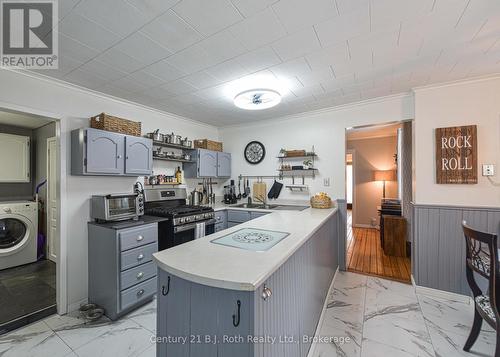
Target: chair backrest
482 258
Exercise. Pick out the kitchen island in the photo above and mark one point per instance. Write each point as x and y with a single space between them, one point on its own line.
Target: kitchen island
233 300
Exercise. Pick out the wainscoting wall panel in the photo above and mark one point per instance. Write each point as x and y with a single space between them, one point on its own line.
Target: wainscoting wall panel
439 246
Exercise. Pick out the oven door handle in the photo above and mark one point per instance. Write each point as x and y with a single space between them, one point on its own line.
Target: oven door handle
187 227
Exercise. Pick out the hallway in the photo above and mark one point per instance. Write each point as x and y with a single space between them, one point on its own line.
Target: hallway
366 256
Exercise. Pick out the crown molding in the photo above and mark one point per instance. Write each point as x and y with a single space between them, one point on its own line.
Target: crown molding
484 78
95 93
322 111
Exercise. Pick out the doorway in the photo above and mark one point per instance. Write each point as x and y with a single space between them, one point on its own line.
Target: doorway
29 267
378 239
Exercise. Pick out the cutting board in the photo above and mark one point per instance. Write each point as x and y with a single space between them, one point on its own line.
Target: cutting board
259 191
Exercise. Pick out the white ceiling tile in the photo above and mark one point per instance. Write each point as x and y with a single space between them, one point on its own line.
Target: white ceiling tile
295 14
178 87
104 71
228 70
66 65
258 30
347 6
201 80
99 11
295 67
387 14
332 56
258 59
211 94
310 90
146 79
190 98
77 50
129 84
157 93
87 32
340 28
316 76
164 70
120 60
208 17
152 8
222 46
142 48
65 7
192 59
297 44
172 32
248 8
114 91
85 79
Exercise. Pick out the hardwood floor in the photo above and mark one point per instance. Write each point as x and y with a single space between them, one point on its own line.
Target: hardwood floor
365 255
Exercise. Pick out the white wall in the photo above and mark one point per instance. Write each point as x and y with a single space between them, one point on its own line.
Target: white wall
74 106
324 129
467 103
371 154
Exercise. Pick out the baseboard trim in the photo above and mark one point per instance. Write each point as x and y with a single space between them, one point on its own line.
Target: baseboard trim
312 349
365 226
76 305
441 294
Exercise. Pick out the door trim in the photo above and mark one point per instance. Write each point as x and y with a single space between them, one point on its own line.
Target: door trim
47 200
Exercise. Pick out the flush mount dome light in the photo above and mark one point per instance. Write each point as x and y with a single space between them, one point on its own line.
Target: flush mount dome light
256 99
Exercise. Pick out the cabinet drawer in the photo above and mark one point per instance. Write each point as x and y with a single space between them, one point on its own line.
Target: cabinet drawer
257 214
141 255
137 293
220 227
136 275
220 216
137 236
238 216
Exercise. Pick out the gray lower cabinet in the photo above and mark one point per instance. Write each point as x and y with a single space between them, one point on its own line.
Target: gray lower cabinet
100 152
208 163
217 322
122 274
220 220
235 217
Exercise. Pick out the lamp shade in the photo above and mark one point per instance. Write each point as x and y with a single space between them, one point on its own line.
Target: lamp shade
384 175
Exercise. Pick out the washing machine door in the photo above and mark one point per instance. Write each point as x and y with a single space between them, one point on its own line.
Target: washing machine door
15 231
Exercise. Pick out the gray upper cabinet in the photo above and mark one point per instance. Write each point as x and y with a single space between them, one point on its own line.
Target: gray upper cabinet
104 152
223 164
209 163
138 155
100 152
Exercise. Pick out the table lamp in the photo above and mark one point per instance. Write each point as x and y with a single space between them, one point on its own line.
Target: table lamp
384 175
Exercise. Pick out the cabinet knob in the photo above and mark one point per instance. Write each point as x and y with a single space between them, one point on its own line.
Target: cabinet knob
266 293
119 157
140 292
140 275
140 257
139 238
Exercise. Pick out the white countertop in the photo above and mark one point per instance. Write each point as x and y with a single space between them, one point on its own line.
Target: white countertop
204 262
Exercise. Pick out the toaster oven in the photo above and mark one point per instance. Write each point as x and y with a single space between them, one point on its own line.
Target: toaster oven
116 207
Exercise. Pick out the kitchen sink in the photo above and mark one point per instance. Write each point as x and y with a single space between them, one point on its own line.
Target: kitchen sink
271 207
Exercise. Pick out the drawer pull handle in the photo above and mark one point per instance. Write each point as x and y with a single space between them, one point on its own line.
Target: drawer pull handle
140 275
163 292
140 257
237 323
139 238
140 292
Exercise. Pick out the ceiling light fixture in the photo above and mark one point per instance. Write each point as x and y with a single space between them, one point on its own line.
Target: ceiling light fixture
257 99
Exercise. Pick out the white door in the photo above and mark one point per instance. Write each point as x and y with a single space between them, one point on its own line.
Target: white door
52 204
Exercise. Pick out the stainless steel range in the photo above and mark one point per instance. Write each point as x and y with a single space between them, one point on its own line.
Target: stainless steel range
185 222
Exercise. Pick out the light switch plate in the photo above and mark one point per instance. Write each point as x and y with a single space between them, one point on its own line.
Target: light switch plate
488 170
326 181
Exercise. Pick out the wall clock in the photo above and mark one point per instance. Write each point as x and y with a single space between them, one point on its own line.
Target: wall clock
254 152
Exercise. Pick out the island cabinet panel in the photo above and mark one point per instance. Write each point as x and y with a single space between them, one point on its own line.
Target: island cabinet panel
278 319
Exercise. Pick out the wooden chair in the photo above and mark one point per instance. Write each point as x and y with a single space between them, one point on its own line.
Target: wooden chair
482 258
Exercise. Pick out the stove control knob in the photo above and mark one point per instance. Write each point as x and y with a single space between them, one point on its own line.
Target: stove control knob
181 220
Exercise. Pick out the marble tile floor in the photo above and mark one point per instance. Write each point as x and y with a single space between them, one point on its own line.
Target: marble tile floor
366 316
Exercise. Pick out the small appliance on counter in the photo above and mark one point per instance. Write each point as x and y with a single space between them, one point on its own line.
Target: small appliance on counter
116 207
230 194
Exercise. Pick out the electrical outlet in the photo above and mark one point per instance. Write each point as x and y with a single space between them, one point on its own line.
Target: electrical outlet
326 181
488 170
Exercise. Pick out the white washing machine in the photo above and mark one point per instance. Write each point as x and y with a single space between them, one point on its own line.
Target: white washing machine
18 233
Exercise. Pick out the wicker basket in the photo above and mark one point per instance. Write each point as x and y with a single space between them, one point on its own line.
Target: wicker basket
321 202
108 122
208 144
